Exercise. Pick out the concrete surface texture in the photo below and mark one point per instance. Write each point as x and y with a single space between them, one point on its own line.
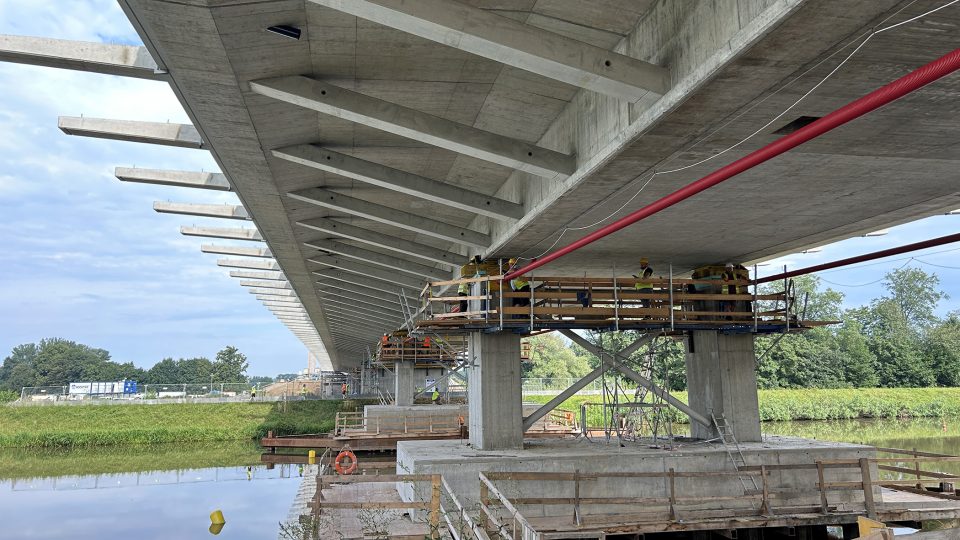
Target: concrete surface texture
494 392
460 463
722 383
495 136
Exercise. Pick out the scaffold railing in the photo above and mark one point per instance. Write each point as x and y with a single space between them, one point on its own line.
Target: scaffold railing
663 304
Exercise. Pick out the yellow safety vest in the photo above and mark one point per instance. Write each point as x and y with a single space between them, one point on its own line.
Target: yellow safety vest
464 289
518 283
644 284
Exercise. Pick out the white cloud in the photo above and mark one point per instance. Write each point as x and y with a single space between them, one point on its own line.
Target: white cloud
85 255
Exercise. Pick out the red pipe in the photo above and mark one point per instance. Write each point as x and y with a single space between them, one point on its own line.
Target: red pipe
914 80
950 238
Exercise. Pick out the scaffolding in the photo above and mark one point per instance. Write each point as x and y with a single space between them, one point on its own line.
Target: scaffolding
612 303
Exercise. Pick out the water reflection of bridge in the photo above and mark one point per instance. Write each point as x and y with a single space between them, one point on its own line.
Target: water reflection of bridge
153 478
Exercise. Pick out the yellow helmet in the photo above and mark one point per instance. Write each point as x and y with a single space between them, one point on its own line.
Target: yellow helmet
644 261
512 261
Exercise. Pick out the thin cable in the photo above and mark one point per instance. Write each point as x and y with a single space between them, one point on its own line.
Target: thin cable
901 267
869 35
938 265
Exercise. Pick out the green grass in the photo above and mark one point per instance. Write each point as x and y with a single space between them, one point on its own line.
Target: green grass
821 404
6 396
99 425
34 463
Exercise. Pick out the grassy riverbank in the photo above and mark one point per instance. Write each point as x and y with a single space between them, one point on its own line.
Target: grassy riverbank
96 425
832 404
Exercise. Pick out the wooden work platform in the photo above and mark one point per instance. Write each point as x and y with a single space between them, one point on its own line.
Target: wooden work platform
661 305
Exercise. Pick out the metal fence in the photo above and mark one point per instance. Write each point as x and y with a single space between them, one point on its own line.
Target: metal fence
146 393
545 386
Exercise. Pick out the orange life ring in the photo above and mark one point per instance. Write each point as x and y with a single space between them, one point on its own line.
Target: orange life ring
338 463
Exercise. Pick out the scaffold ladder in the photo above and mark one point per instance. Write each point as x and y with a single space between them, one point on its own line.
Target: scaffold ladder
729 441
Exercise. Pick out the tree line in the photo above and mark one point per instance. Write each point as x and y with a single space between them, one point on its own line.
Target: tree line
897 340
58 362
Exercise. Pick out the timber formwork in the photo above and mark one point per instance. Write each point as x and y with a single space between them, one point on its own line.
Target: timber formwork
359 431
668 305
672 502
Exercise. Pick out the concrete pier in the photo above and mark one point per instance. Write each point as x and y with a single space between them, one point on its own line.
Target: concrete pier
404 384
494 393
722 380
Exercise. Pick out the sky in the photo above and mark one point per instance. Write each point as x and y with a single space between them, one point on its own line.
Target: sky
87 259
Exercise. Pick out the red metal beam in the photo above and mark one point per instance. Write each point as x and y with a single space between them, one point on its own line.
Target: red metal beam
950 238
910 82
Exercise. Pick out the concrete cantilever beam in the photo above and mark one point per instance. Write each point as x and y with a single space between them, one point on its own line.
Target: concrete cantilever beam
390 216
227 211
333 313
162 133
385 241
348 278
412 124
360 308
371 272
237 250
370 298
192 179
382 176
266 284
271 292
124 60
378 259
251 264
511 42
239 233
286 300
246 274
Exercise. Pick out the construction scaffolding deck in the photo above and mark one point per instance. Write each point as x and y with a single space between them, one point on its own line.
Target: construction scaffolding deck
661 305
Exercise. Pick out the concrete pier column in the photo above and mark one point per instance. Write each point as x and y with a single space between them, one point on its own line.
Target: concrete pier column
722 380
403 382
496 407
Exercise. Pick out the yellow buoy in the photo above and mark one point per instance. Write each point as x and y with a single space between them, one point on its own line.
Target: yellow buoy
312 457
216 517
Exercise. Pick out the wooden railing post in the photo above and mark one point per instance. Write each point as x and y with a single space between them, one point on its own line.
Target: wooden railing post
673 494
868 488
823 490
765 504
576 497
916 465
485 504
435 506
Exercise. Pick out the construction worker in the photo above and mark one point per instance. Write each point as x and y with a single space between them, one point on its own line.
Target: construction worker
643 286
253 393
519 284
468 270
343 391
303 391
426 342
435 397
729 275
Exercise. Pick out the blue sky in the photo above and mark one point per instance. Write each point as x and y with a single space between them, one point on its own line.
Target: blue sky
85 257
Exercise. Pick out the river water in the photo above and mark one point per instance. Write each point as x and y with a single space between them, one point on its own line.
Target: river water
168 492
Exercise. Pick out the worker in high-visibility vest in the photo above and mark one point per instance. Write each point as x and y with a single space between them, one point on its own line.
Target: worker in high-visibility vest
303 391
643 286
435 397
468 270
519 284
